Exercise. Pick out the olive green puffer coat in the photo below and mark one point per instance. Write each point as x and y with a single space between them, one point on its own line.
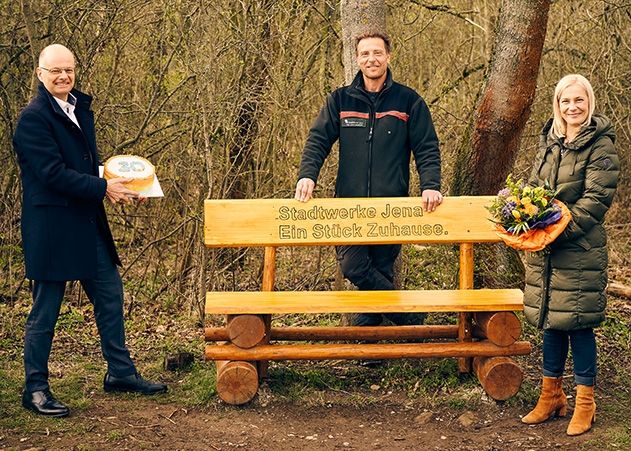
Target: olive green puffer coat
565 287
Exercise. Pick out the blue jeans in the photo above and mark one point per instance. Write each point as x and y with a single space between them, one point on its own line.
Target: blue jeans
555 350
106 294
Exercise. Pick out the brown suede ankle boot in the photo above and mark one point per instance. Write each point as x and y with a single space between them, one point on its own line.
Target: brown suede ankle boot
584 411
552 401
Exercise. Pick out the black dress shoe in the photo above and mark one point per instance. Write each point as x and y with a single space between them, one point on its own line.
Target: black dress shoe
44 403
132 384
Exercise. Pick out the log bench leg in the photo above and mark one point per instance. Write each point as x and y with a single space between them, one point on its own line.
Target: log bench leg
247 331
500 377
237 382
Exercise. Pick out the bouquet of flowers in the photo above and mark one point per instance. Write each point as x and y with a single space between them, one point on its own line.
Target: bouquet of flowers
528 218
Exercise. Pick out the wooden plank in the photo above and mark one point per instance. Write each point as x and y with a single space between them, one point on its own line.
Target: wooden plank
283 222
365 351
280 302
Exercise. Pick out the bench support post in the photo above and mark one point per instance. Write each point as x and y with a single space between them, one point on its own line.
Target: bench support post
464 319
269 277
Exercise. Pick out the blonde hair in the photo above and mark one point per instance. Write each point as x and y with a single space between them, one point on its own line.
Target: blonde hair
559 126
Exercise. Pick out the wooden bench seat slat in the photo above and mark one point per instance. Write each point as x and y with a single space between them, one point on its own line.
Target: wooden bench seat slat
282 302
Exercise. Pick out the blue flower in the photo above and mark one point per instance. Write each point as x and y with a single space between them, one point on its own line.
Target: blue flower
507 210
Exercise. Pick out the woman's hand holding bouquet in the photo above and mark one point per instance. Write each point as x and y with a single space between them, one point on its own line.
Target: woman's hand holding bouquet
528 218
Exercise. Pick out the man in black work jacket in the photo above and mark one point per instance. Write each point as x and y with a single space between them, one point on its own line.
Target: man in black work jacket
65 233
379 123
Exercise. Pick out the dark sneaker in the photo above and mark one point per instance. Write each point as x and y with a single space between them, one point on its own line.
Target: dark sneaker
43 402
132 384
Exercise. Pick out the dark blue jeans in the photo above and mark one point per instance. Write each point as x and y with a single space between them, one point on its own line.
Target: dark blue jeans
372 268
106 294
555 350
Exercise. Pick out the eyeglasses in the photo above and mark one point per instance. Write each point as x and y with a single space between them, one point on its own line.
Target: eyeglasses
58 70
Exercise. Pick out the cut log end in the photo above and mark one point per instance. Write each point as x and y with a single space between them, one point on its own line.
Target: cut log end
501 328
500 377
237 382
246 331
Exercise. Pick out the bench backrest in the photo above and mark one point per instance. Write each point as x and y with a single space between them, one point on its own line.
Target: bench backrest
287 222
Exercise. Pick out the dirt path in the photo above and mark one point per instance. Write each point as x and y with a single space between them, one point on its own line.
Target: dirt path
128 422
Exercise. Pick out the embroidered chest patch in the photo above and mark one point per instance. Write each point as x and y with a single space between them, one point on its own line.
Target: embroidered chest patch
354 122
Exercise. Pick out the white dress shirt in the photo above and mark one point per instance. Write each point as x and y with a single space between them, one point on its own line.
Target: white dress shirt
69 107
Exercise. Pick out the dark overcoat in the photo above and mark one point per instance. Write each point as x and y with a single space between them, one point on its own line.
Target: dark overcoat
62 201
565 287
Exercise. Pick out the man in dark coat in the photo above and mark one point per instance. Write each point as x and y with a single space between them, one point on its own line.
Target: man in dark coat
379 124
65 232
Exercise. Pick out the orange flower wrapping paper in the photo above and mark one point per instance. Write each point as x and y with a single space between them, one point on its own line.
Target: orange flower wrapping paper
536 239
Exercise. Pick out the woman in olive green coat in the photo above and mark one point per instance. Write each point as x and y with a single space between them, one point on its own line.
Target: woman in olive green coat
565 286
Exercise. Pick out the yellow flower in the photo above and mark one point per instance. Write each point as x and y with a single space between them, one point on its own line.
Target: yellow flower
531 210
526 200
515 199
516 214
544 201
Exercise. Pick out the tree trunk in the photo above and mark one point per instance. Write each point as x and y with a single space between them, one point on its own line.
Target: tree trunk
31 31
491 142
251 86
504 105
359 16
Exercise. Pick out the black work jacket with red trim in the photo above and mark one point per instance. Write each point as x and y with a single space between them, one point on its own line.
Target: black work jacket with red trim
376 139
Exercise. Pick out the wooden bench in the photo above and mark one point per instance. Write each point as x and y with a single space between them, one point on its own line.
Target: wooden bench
486 332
